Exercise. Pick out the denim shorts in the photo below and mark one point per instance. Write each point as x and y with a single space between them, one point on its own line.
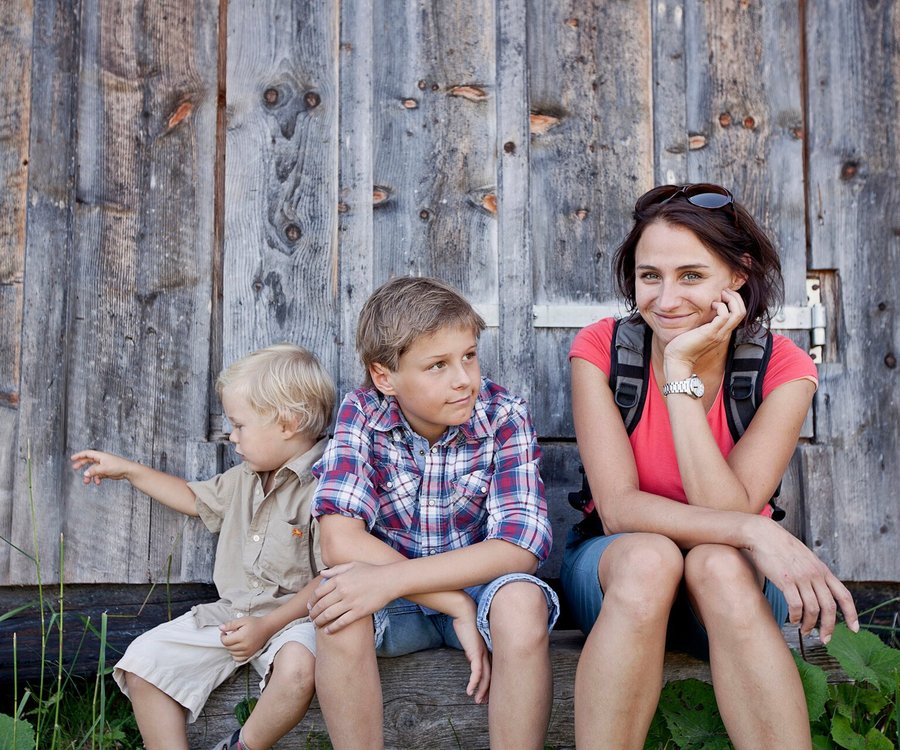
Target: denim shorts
403 627
581 589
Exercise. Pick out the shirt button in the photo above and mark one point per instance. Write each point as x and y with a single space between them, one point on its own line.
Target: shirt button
390 485
238 614
484 489
421 452
256 537
431 502
434 449
255 584
432 552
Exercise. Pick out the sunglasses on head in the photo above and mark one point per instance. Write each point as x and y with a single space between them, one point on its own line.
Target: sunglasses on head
701 194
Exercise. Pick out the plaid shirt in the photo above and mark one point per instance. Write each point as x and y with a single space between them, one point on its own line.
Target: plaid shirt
479 481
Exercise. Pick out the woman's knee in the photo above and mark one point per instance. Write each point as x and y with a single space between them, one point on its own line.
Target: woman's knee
641 574
720 579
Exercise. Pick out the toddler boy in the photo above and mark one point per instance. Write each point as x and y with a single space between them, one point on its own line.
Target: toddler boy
433 518
279 402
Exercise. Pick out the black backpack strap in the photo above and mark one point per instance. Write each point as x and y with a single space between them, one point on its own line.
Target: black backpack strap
748 359
629 368
749 354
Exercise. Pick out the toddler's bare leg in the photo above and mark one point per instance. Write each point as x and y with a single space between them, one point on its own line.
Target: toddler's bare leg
160 718
286 697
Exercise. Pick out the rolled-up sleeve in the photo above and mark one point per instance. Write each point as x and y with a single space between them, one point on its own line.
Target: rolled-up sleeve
345 471
517 509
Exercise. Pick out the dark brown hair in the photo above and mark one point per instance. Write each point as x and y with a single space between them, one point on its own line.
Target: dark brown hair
729 232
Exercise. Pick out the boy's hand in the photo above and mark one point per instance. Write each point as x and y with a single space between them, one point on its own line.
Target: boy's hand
476 652
244 637
101 466
348 592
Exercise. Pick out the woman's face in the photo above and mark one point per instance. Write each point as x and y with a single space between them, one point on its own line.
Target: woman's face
677 280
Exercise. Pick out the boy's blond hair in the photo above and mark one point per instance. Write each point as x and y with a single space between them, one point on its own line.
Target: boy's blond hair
284 382
404 309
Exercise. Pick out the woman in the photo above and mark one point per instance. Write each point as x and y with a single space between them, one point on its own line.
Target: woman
683 508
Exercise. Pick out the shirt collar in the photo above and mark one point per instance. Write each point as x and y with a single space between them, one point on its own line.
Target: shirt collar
301 465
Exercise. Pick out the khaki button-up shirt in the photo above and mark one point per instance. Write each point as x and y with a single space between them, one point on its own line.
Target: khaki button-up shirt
268 546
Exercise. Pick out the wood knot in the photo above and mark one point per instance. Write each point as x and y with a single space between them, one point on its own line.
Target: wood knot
849 169
422 84
343 208
749 122
181 113
539 122
573 22
509 147
410 103
725 119
581 214
312 99
489 203
380 195
472 93
696 141
270 97
424 214
890 360
292 232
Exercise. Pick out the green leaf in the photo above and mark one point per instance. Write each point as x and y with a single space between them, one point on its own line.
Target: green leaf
815 686
243 709
23 730
865 658
690 710
848 738
658 735
819 742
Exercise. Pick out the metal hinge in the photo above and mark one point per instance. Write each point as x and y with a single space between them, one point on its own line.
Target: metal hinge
810 317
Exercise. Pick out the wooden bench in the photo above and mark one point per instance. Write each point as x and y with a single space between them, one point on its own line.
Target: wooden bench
425 705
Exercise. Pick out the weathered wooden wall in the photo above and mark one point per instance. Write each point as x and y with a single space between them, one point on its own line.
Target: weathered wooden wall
187 181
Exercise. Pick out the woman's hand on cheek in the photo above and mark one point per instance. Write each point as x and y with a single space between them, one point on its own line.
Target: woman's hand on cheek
688 348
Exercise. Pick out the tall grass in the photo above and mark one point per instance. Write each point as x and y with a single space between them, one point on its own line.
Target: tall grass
70 715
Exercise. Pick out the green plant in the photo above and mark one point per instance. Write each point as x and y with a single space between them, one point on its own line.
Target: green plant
70 714
859 715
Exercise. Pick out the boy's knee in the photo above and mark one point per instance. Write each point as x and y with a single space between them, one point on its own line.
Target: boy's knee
519 615
355 639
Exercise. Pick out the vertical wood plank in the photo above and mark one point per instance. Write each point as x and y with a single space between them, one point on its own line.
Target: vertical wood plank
743 121
853 205
40 431
281 178
434 138
15 93
16 21
141 279
355 235
591 154
515 262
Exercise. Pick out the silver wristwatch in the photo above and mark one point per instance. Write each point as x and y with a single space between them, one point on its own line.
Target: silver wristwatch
693 387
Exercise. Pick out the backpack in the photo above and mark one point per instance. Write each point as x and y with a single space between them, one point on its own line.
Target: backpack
629 375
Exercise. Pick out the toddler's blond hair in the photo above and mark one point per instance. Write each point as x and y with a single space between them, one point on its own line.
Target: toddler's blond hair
284 382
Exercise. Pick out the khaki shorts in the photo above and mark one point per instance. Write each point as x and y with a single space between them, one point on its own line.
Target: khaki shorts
188 662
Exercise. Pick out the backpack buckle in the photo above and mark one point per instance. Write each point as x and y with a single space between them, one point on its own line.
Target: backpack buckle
626 395
741 387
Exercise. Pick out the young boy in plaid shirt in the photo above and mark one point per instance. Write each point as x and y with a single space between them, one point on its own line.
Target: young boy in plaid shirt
433 520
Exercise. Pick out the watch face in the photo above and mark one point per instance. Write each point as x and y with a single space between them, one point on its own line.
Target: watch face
696 386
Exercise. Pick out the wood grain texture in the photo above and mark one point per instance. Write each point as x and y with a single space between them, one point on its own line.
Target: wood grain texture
37 444
356 242
281 178
15 110
590 155
853 200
